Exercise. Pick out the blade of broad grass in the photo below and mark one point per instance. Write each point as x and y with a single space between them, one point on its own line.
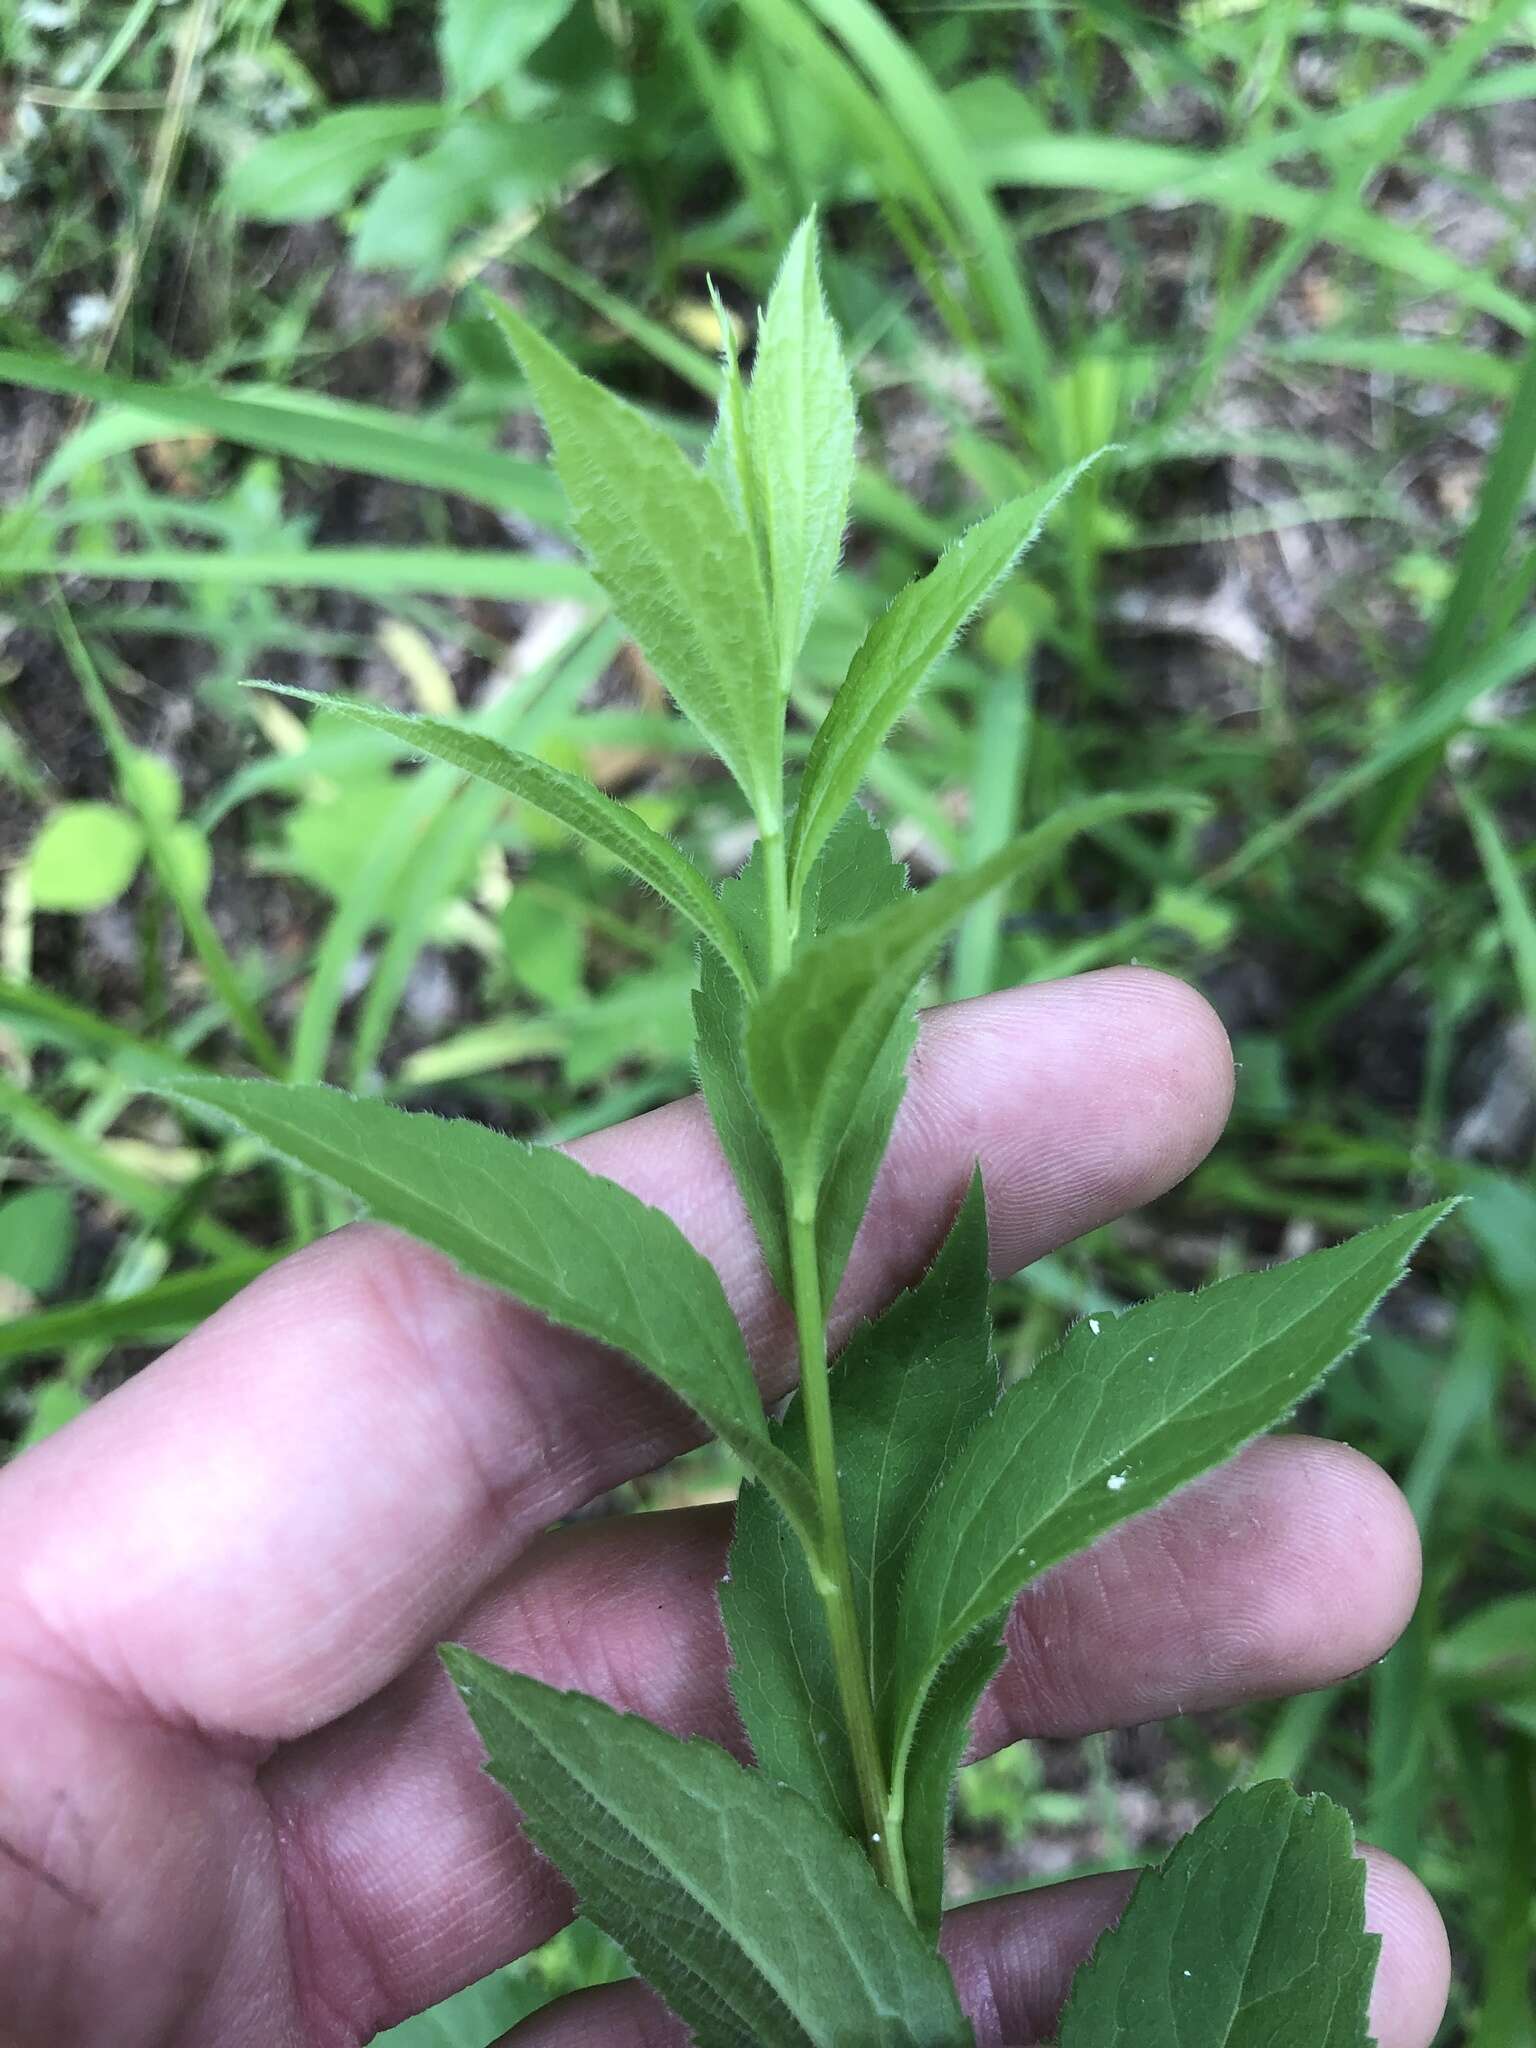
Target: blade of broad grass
1480 568
1164 174
381 573
569 799
94 1167
311 428
153 1315
222 974
1517 915
1352 171
900 179
980 238
1003 714
1431 726
63 1023
1401 1685
528 711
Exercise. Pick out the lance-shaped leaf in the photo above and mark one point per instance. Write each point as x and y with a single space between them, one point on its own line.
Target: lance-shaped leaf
855 876
814 1037
899 653
800 434
906 1393
669 549
579 1249
1129 1409
759 1922
1250 1935
576 804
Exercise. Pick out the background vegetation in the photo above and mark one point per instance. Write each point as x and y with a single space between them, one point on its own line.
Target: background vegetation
1281 254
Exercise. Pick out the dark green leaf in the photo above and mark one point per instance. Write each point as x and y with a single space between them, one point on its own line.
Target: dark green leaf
1129 1409
579 1249
1251 1935
681 569
585 810
760 1924
800 431
906 1393
900 652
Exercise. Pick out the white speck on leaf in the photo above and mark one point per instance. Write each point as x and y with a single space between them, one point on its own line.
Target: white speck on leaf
1093 1324
1116 1480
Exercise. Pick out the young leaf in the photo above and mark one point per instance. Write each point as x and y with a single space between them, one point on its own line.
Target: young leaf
579 1249
927 1788
900 652
816 1035
679 565
760 1924
1129 1409
1250 1935
576 804
906 1393
855 876
800 433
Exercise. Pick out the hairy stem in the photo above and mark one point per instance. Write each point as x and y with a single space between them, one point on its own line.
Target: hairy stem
830 1569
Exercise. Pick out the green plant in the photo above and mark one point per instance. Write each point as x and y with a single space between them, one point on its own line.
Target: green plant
890 1518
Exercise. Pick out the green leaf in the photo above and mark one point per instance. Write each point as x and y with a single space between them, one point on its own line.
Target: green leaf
936 1753
680 568
1490 1657
1250 1935
900 652
574 802
1126 1411
310 172
759 1923
855 877
37 1238
800 434
815 1036
84 857
482 43
310 426
906 1393
579 1249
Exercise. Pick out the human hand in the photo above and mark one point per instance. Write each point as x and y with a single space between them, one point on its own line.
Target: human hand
240 1806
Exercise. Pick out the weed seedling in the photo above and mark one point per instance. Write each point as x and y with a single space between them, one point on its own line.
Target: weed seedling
891 1517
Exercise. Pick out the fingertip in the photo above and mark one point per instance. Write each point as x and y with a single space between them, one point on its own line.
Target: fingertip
1413 1977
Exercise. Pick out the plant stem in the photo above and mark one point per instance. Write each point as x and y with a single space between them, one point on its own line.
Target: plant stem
830 1569
776 880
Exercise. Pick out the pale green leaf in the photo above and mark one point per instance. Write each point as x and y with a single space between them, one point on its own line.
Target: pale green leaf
1128 1409
579 1249
575 803
855 876
906 1393
313 171
37 1238
815 1035
679 566
900 652
800 435
84 857
481 43
759 1923
1250 1935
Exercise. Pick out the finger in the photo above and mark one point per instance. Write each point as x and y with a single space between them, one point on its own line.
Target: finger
305 1492
1290 1568
1013 1962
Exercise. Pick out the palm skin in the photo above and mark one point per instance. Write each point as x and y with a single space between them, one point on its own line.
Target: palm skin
239 1804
